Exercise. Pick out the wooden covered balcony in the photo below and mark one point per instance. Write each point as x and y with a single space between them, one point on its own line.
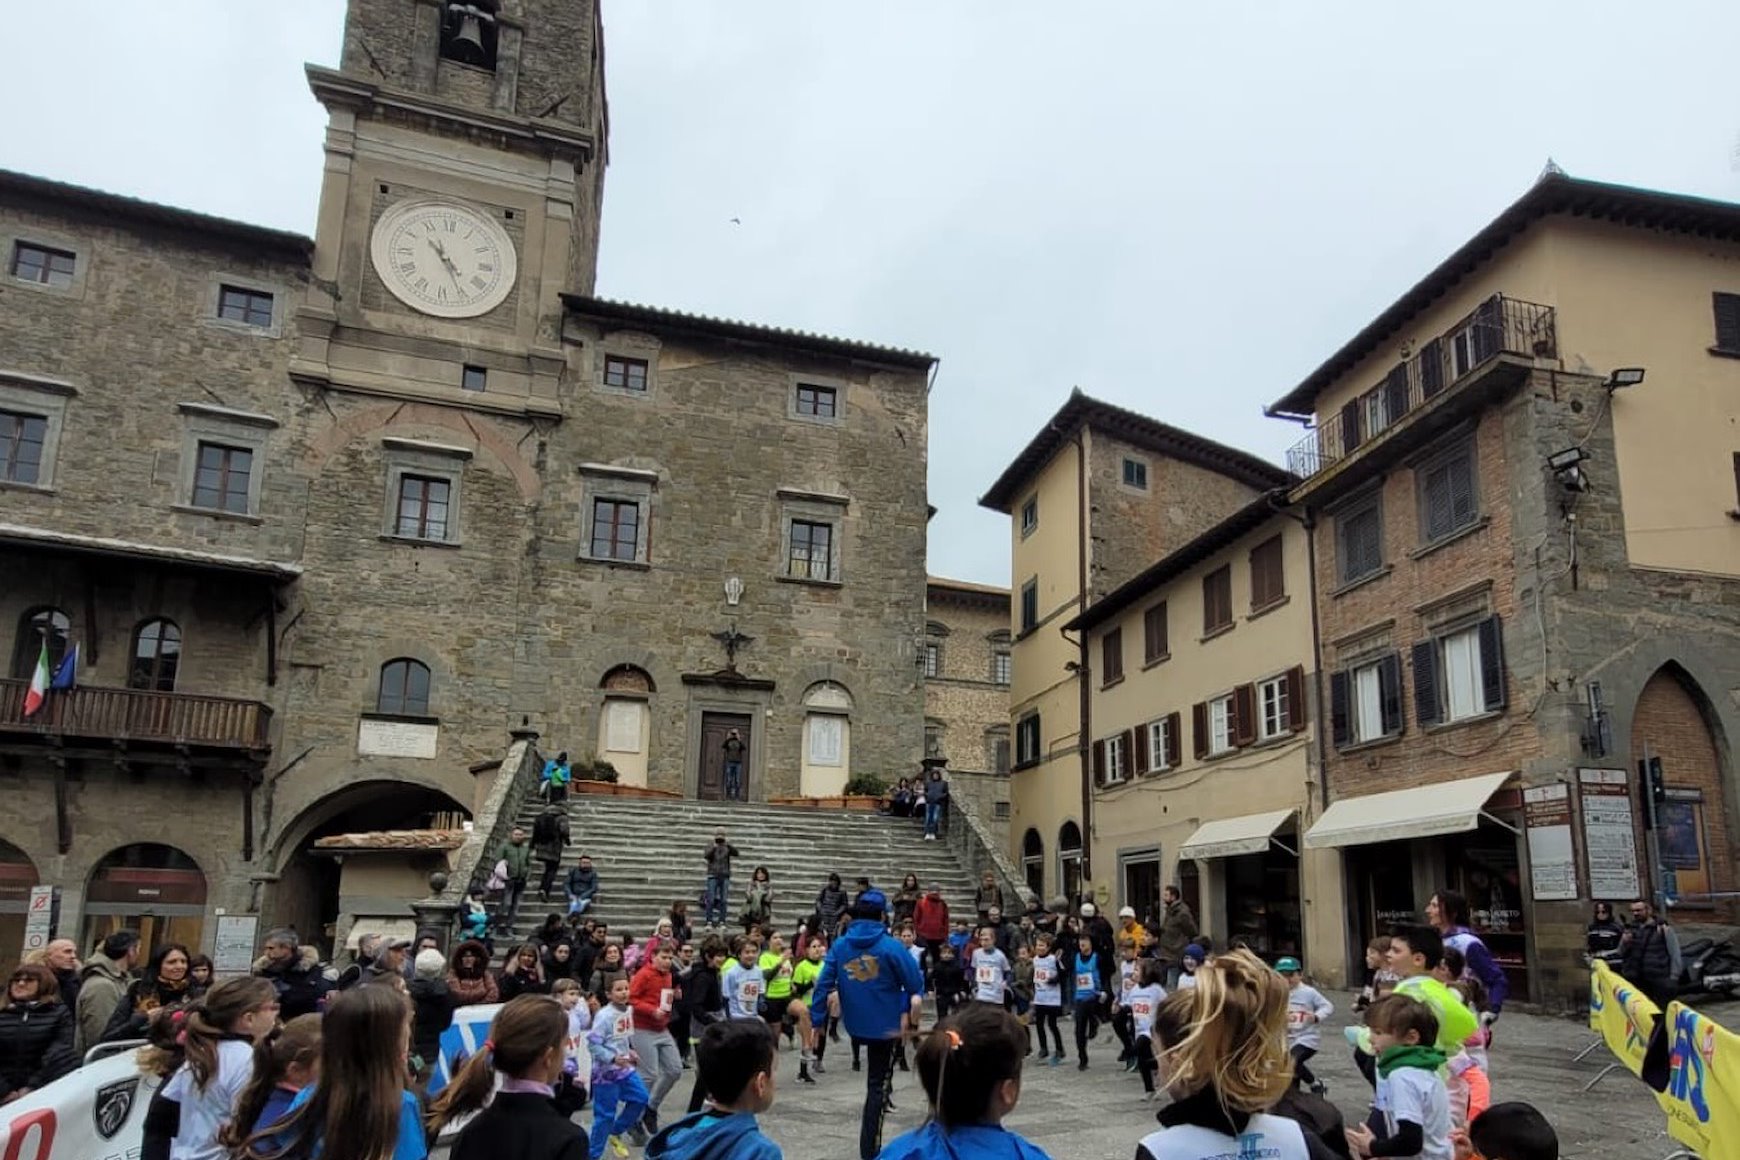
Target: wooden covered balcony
123 716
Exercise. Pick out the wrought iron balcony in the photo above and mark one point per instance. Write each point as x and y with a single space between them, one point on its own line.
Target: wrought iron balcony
1499 326
133 715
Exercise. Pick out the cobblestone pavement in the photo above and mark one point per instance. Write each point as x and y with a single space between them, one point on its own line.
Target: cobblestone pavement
1099 1114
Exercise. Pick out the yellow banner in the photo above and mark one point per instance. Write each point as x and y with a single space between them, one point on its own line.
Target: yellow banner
1623 1015
1702 1100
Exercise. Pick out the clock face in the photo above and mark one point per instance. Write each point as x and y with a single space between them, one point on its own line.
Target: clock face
443 259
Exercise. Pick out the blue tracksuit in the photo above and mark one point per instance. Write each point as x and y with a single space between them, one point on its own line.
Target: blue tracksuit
876 977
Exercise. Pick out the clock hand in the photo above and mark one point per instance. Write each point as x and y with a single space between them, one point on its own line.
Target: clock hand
441 252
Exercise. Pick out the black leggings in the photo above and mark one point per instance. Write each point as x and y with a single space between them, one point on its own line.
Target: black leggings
1043 1017
1145 1061
1300 1054
1087 1024
1124 1027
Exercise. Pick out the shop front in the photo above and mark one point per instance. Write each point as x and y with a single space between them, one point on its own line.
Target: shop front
17 876
1401 847
153 889
1250 874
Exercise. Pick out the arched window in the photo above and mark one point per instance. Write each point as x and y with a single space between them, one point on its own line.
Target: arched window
623 724
827 744
629 679
35 628
156 656
154 889
404 688
1033 861
1069 860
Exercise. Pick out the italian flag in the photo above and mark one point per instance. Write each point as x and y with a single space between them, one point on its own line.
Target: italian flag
38 691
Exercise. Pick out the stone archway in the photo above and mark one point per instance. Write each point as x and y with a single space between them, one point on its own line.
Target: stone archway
17 876
1674 721
155 889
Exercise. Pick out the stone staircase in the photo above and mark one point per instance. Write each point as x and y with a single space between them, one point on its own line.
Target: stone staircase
648 852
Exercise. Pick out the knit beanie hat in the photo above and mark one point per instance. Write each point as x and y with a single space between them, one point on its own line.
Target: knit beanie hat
1193 951
429 964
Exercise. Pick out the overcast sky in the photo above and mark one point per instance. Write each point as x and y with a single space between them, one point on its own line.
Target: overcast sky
1181 208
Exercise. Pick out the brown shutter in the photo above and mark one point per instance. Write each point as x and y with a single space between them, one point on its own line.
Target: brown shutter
1199 729
1244 723
1727 308
1492 663
1390 694
1174 726
1340 722
1139 750
1297 717
1428 709
1099 763
1431 368
1396 392
1350 428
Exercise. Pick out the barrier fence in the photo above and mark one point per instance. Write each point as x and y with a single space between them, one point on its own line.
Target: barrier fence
1690 1062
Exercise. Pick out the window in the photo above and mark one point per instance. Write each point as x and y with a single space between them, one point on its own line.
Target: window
1030 515
1162 740
1274 708
473 379
1027 740
811 552
1116 761
221 477
625 374
1002 667
423 507
932 659
42 265
615 529
1268 578
1359 541
36 628
997 749
156 657
1447 499
1376 406
1366 701
817 402
1154 644
1220 725
1136 474
404 688
1727 308
1030 605
21 440
1460 674
1217 610
249 307
1112 657
933 739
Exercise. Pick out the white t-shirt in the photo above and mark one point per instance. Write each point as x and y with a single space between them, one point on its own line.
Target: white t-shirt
1303 1002
1412 1093
1047 986
1142 1002
204 1113
1186 981
1266 1136
990 975
743 990
574 1049
1126 981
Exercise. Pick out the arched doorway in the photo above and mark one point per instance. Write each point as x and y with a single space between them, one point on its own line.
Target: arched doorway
1033 862
625 722
154 889
1069 861
17 876
1672 724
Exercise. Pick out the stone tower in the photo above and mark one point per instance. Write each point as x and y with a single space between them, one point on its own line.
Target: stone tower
465 153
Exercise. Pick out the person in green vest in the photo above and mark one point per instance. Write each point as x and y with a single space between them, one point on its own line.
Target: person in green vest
779 968
513 863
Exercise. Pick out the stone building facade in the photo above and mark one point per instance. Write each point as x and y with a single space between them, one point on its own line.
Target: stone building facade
327 517
967 664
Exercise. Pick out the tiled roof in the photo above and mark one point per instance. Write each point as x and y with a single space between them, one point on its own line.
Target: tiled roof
59 193
394 840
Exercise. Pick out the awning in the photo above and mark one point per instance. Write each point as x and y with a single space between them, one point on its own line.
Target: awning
1448 807
1230 837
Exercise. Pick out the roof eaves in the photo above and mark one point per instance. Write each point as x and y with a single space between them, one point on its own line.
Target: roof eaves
684 322
60 194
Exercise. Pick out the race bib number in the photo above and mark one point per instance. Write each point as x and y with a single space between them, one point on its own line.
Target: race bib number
1042 975
1084 981
665 997
1297 1017
988 975
1142 1009
748 994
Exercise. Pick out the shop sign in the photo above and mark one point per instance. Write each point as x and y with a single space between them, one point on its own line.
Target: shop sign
1609 837
1552 854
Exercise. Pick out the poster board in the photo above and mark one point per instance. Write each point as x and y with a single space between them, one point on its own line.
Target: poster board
1552 853
234 952
1609 833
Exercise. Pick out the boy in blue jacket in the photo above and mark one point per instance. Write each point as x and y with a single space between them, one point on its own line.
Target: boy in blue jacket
735 1058
878 992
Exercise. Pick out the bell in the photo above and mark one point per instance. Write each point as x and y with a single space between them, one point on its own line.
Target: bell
465 40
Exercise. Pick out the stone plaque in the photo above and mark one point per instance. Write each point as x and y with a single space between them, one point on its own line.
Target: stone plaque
397 739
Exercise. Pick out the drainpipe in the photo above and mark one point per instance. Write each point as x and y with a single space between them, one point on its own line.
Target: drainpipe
1081 672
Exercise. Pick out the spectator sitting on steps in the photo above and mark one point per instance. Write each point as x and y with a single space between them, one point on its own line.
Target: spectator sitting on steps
582 886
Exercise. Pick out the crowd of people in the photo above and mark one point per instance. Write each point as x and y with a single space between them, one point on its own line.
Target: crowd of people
297 1060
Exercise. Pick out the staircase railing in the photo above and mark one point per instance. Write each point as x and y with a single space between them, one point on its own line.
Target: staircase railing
973 843
494 822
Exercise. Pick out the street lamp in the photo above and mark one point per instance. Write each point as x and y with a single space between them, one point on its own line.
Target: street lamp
1624 377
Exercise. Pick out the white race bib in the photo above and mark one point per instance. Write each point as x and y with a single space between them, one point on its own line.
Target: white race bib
1084 981
665 997
1042 976
1142 1010
1296 1016
988 975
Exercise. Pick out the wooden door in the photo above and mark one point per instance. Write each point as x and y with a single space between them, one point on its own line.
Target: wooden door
710 784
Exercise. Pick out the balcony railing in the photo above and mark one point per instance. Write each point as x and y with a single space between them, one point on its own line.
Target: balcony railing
1498 326
135 715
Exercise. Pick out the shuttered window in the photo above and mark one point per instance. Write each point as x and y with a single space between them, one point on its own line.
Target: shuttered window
1359 540
1268 579
1217 610
1727 307
1365 702
1448 501
1154 644
1459 674
1112 657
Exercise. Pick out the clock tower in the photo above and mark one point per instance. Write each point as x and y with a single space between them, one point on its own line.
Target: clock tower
465 151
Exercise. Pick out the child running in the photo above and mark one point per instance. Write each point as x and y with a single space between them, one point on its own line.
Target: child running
743 983
1087 996
734 1060
618 1095
1410 1093
575 1051
1223 1061
948 980
1047 998
706 1005
1194 957
970 1067
803 981
1306 1008
1513 1131
991 970
528 1047
1144 1001
284 1064
218 1040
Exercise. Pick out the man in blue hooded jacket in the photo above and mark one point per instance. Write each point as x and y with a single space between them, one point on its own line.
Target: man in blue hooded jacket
879 991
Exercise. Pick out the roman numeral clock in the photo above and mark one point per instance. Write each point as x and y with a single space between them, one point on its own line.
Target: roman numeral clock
443 258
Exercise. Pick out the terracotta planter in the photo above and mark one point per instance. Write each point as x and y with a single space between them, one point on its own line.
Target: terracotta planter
863 802
617 789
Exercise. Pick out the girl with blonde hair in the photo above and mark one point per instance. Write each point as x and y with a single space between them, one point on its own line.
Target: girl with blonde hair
1223 1056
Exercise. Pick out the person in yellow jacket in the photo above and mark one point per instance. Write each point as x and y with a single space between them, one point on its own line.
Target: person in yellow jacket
778 967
